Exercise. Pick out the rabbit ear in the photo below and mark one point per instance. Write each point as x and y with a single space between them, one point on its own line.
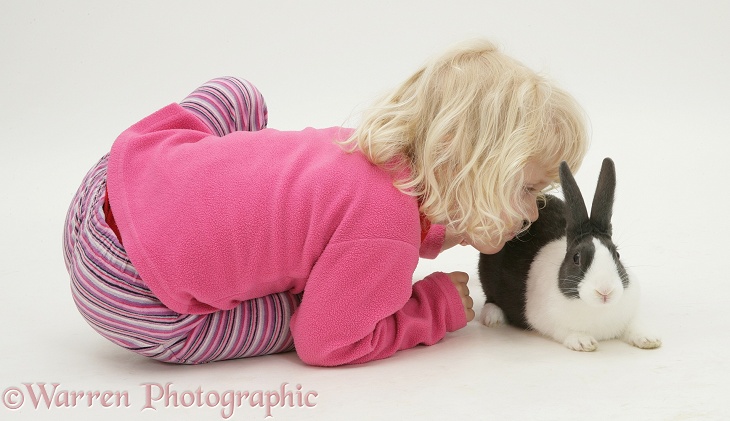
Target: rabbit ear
602 207
576 215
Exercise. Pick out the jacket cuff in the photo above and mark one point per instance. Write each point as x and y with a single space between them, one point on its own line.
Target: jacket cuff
431 245
455 316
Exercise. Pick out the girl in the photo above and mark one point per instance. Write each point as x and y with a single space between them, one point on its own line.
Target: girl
203 236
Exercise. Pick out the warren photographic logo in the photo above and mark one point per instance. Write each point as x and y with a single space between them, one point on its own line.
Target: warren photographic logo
157 396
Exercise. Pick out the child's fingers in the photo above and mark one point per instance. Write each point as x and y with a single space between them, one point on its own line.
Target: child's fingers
460 277
467 301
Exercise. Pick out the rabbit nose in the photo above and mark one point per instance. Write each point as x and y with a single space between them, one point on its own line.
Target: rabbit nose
604 294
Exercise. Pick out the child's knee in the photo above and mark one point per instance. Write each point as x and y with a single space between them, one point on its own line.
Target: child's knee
228 104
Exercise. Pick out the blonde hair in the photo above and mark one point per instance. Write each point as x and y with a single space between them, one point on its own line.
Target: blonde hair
463 128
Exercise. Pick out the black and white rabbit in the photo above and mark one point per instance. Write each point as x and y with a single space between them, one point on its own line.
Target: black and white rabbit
563 276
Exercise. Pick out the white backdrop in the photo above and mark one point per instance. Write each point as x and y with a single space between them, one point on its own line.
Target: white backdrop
652 76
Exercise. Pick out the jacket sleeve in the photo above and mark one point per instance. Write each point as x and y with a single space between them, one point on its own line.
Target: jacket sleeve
360 305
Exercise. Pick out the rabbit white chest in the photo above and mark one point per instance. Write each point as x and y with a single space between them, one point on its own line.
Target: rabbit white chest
604 309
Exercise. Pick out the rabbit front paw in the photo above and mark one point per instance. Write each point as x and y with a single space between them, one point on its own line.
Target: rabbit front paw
491 315
642 341
581 342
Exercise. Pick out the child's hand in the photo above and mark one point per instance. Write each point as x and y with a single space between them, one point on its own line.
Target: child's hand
459 279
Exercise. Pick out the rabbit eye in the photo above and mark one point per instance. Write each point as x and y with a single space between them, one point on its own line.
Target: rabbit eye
576 258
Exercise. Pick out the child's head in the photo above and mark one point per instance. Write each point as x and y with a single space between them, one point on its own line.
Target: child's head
466 126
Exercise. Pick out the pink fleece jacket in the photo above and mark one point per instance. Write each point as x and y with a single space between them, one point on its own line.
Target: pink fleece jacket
211 221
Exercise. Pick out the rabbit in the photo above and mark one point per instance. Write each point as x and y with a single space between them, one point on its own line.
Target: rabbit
563 277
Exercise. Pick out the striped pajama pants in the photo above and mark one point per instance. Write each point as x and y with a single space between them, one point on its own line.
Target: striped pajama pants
115 301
